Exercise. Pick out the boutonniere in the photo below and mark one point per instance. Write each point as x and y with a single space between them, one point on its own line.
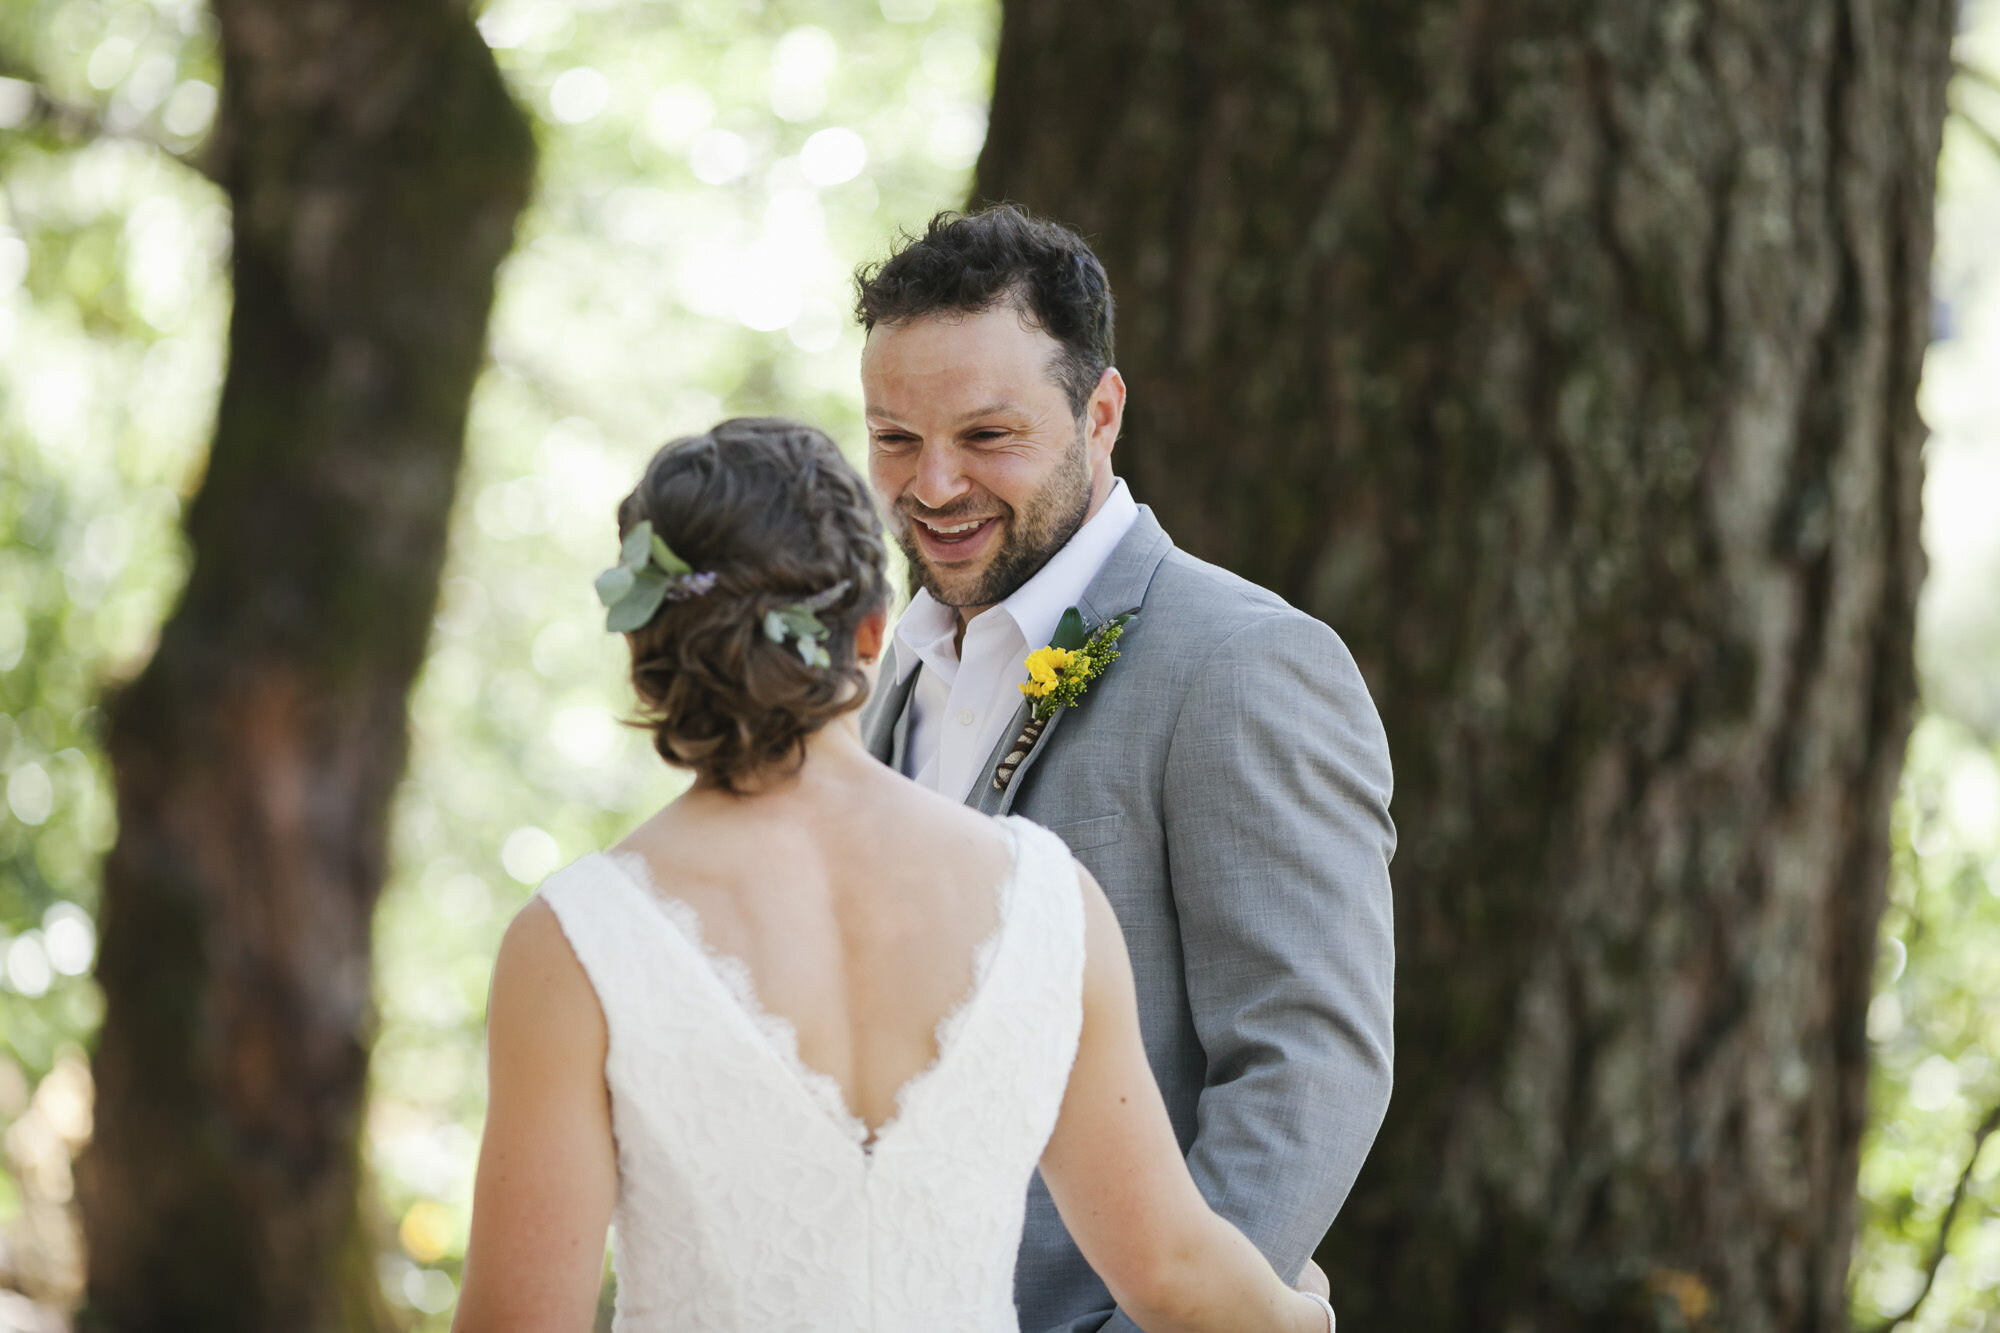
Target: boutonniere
1058 677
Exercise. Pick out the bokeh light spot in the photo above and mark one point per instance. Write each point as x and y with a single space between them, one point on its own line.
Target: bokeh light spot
833 156
429 1290
579 95
677 113
30 794
426 1231
28 965
529 855
69 938
718 157
190 110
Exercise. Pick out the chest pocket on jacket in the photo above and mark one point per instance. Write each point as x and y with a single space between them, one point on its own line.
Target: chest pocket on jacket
1083 833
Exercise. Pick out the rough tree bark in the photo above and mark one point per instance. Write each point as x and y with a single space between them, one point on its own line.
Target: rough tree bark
376 166
1563 358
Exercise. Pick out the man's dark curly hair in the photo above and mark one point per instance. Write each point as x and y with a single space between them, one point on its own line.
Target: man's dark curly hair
965 263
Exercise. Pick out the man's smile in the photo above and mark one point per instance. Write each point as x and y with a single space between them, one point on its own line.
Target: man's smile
954 542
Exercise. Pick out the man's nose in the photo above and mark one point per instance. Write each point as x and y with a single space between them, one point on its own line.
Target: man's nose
940 477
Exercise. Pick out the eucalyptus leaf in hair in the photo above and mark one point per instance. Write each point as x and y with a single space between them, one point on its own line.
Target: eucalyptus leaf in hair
647 574
663 555
801 621
614 583
639 604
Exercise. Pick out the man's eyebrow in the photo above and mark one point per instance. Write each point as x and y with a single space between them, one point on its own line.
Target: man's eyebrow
991 409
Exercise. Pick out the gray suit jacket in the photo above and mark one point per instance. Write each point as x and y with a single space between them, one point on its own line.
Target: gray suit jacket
1227 782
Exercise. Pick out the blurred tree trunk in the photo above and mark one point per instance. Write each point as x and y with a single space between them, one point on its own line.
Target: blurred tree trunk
1564 359
376 165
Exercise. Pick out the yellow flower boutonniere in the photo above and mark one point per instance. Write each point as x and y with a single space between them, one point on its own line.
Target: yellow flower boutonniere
1045 668
1058 675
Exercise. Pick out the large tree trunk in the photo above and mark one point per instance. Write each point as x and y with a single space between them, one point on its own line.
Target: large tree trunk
376 165
1563 358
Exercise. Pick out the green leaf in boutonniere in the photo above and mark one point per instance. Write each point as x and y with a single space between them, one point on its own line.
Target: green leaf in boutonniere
1058 676
1070 632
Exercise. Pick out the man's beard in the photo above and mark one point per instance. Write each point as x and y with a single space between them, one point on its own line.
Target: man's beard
1035 533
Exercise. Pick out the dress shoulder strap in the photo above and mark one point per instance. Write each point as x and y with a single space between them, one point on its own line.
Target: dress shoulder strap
1045 858
1048 895
595 904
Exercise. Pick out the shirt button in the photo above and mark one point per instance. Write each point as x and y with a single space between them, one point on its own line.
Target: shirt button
965 717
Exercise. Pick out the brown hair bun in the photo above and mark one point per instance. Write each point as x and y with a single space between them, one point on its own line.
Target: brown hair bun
773 510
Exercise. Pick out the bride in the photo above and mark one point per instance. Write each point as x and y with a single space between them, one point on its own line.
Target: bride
806 1034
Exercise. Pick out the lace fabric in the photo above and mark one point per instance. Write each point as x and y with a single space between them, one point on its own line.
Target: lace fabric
734 975
750 1195
783 1035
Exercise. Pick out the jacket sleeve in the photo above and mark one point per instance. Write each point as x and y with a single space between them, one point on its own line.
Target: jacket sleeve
1276 797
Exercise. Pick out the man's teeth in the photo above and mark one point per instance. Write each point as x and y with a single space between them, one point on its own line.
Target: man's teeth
953 532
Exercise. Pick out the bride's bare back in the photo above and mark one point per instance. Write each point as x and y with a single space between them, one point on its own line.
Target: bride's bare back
857 901
857 905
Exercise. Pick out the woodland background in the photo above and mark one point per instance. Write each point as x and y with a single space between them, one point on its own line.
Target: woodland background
710 173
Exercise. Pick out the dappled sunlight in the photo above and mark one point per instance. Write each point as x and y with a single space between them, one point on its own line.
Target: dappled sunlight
711 177
712 173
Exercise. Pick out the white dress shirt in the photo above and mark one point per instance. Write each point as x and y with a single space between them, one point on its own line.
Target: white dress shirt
965 699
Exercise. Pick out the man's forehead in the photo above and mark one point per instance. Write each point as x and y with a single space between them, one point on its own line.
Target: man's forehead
1004 317
938 357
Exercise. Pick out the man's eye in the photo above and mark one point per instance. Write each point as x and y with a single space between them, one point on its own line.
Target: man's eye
887 441
989 434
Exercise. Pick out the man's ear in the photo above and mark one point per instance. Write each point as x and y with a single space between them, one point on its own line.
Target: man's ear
870 635
1104 414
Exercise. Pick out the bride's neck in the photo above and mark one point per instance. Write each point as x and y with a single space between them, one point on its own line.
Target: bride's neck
834 757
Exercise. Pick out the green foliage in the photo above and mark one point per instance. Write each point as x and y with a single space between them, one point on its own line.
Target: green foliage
1935 1028
112 311
1935 1022
713 170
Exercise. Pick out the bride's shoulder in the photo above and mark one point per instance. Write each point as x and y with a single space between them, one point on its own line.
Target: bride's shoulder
545 1028
1045 859
589 874
917 807
538 965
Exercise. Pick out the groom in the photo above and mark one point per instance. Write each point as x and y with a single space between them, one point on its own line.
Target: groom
1226 779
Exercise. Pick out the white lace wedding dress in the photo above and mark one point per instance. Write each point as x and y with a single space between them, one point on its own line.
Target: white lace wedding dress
750 1198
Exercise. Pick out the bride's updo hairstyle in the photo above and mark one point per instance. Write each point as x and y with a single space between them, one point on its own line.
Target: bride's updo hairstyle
777 515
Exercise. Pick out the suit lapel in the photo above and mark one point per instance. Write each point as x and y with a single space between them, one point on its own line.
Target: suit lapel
885 728
998 781
1118 588
899 740
1121 585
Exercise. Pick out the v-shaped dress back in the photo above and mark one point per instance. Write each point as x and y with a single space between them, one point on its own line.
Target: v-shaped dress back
749 1196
